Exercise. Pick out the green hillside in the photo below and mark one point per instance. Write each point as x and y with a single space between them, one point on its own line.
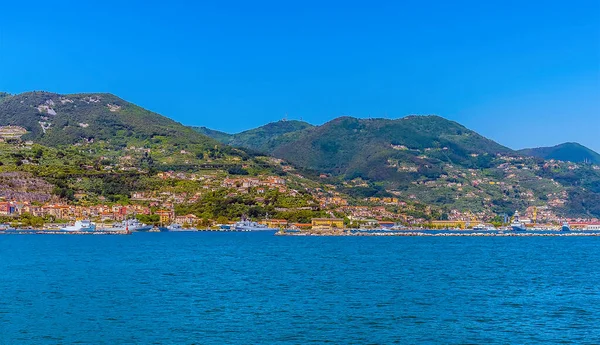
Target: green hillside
569 152
262 139
103 146
217 135
369 147
54 119
433 160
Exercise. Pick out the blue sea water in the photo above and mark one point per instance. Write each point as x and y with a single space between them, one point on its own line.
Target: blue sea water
255 288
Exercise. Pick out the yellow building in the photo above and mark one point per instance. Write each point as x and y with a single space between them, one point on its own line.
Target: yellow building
327 223
443 224
276 223
165 216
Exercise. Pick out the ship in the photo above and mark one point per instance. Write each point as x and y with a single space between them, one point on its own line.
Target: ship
565 227
516 224
130 225
248 225
480 227
80 226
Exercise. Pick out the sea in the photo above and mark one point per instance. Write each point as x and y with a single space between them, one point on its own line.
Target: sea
257 288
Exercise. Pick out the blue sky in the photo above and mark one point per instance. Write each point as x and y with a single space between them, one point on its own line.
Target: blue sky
524 73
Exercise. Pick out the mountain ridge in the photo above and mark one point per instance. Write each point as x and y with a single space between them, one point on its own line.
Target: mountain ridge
56 119
106 146
437 161
569 151
263 138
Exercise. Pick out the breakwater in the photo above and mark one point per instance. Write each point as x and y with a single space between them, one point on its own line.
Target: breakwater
441 233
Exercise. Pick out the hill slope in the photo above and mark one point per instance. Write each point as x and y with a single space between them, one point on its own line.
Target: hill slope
368 147
433 160
217 135
569 152
115 132
53 119
100 147
263 139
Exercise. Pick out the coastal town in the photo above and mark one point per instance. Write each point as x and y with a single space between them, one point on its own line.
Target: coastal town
160 211
188 187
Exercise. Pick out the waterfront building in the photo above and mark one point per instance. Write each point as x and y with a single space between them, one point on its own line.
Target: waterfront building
327 223
445 224
275 223
189 219
166 217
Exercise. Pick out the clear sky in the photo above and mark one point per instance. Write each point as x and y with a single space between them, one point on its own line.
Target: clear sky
524 73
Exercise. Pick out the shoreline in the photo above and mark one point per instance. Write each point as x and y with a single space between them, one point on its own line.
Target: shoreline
409 233
443 234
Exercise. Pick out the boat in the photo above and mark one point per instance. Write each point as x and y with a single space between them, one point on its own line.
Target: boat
516 224
225 227
480 227
4 227
80 225
129 225
178 228
398 227
248 225
565 227
154 229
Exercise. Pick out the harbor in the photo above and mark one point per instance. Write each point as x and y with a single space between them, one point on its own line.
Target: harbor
442 233
317 227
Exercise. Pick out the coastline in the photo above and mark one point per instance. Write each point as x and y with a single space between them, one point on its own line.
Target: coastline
345 233
441 233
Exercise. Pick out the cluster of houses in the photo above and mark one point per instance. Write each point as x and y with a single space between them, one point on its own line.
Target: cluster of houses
61 211
259 184
369 212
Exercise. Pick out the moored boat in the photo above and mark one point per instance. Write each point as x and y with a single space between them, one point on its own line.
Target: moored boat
248 225
129 225
80 226
516 224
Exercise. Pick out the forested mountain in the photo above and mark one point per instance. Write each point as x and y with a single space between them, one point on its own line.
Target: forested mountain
367 147
104 147
53 119
370 148
431 159
570 152
263 139
217 135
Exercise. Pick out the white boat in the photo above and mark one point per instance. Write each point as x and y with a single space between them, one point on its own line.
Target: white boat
516 224
248 225
480 227
80 225
129 225
565 227
398 227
